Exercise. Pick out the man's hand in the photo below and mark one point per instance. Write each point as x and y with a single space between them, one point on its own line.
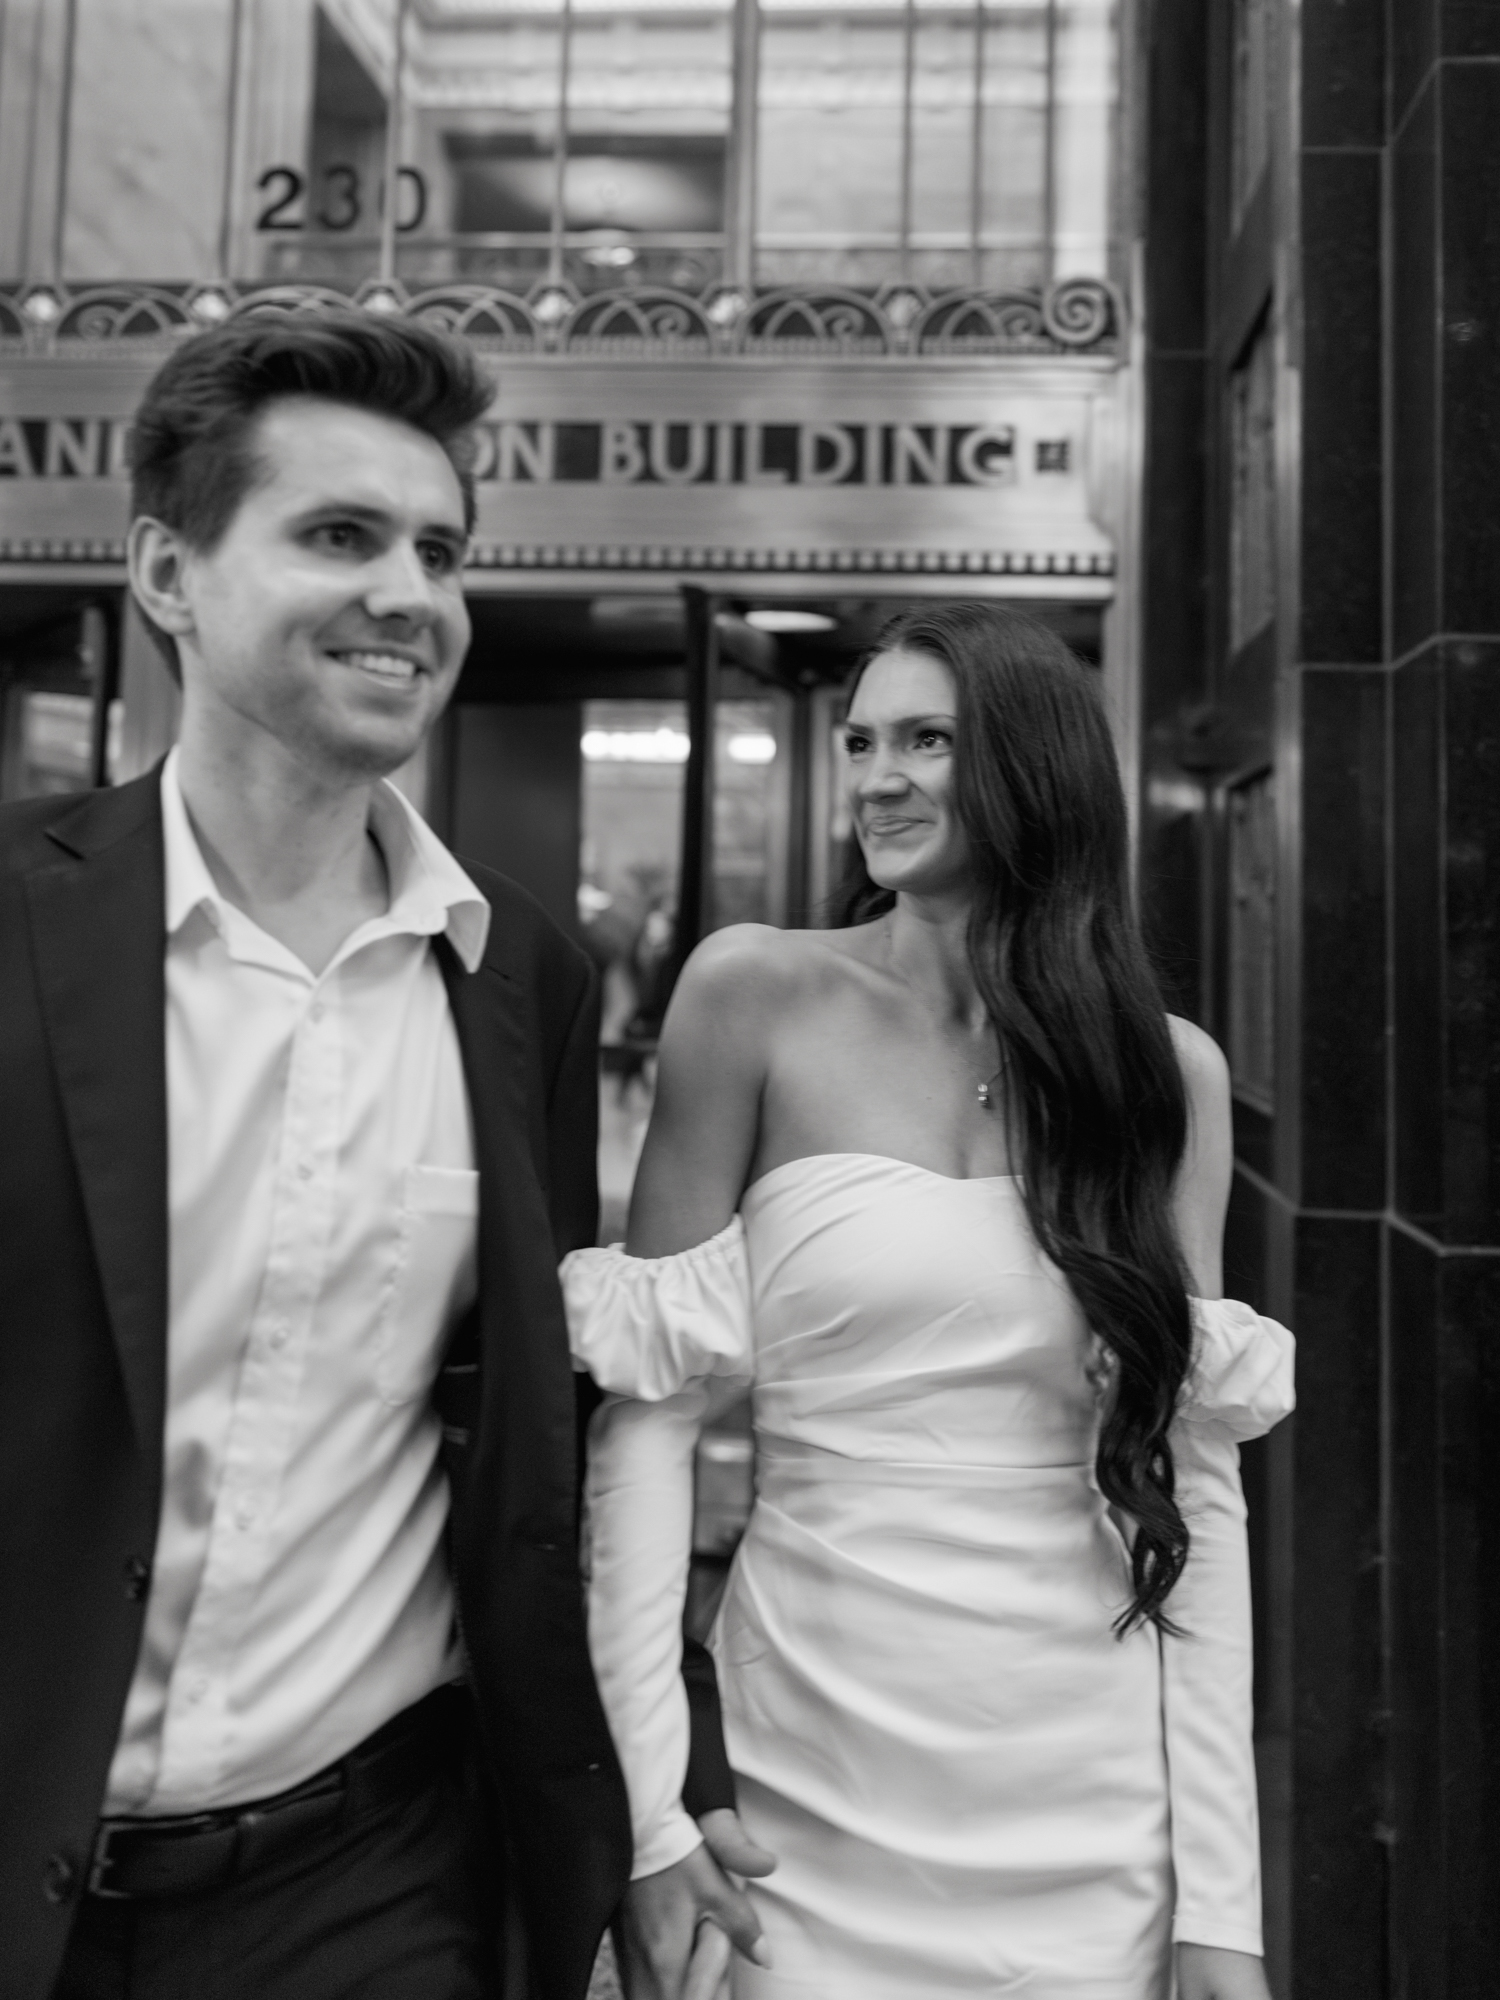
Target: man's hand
1207 1972
679 1923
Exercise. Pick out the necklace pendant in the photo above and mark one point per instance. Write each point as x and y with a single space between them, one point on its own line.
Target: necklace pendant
982 1091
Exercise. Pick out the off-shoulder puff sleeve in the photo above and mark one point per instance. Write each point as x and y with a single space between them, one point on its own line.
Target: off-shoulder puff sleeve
658 1333
644 1326
1239 1384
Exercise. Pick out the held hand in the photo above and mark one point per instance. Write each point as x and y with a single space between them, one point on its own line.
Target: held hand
1208 1972
731 1846
676 1922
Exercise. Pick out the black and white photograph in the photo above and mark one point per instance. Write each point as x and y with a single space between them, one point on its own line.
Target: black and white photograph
749 999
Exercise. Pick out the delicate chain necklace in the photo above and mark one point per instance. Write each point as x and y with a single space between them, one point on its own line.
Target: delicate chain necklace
985 1092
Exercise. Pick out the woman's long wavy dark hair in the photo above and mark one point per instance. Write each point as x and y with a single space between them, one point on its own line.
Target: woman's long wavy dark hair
1095 1098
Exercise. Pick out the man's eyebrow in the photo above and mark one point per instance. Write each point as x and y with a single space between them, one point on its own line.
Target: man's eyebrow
443 531
354 510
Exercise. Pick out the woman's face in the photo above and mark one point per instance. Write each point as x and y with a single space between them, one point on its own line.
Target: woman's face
899 742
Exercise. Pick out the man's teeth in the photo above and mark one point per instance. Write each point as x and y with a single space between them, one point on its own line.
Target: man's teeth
390 666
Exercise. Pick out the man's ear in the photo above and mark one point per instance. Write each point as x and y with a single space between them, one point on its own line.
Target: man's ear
157 556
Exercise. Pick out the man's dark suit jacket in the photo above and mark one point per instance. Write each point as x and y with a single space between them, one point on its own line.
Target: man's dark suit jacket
83 1321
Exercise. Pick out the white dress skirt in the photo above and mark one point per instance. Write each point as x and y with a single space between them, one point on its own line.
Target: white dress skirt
972 1784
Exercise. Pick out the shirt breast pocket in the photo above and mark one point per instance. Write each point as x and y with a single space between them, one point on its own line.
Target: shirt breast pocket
434 1277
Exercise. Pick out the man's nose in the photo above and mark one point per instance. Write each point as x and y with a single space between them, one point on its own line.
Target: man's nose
401 586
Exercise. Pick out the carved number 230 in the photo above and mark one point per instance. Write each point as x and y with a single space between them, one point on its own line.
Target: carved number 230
340 207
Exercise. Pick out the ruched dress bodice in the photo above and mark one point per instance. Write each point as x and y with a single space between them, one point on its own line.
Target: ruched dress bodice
967 1357
969 1776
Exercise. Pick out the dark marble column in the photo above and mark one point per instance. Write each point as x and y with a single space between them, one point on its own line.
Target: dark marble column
1367 1200
1443 1224
1174 585
1332 1113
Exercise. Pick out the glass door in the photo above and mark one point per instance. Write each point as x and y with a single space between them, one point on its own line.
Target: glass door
59 718
634 753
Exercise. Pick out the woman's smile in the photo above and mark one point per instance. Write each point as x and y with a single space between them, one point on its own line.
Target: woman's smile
887 826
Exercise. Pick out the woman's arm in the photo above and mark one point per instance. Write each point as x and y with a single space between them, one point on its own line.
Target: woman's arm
1200 1199
697 1156
1206 1672
711 1070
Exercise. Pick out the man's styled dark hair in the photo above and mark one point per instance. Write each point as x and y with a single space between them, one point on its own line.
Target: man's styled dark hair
192 449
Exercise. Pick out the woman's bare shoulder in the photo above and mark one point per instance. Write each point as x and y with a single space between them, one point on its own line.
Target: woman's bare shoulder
1202 1194
749 968
1199 1057
1205 1073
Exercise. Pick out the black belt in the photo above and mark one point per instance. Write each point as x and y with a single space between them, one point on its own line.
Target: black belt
177 1857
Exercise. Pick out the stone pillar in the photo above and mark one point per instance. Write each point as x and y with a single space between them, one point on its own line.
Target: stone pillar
1321 586
1442 1230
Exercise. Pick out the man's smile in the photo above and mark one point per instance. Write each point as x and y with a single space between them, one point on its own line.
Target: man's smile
383 662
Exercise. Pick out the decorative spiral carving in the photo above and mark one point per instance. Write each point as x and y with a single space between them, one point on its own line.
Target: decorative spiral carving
291 299
490 318
983 323
795 321
91 323
1079 312
121 312
637 321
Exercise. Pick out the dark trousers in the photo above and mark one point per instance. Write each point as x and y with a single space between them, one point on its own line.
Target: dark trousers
394 1902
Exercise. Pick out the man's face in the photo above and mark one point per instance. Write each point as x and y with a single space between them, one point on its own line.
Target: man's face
330 614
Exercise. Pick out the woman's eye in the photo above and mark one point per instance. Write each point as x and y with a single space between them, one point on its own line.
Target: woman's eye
926 738
855 746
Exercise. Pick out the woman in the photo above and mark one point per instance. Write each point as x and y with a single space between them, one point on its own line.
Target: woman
940 1183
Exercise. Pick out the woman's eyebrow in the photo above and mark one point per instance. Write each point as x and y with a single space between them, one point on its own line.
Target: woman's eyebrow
906 721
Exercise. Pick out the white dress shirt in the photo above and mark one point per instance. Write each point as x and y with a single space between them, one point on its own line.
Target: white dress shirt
323 1203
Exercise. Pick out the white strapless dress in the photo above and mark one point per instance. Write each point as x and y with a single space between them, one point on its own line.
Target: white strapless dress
972 1785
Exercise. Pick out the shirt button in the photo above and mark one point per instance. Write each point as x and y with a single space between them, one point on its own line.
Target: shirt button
304 1170
59 1878
244 1514
278 1336
137 1578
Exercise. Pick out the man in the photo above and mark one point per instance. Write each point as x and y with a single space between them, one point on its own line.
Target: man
299 1116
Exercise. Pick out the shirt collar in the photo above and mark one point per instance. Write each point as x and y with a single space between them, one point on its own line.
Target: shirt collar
430 893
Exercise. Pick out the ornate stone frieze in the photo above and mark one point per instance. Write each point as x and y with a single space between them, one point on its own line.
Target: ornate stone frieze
1079 316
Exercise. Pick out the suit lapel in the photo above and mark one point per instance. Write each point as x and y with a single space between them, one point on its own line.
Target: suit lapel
98 926
525 1405
486 1008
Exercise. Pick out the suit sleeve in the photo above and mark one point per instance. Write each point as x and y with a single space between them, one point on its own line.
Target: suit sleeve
573 1127
709 1783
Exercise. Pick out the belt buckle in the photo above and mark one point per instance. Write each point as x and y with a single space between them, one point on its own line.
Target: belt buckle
101 1861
